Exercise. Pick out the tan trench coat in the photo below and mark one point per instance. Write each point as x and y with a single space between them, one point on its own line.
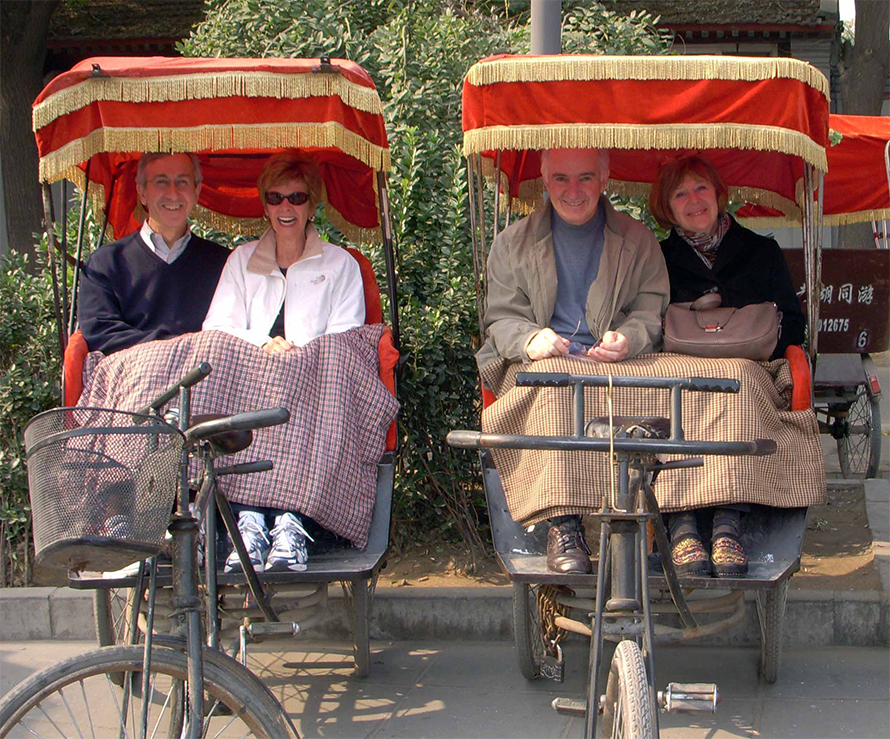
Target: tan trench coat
629 295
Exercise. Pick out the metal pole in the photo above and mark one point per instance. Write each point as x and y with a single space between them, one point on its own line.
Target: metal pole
546 26
389 256
72 317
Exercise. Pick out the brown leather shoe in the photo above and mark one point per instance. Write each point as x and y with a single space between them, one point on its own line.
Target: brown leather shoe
567 552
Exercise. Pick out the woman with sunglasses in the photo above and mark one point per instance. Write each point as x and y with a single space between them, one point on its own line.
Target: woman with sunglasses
279 293
289 287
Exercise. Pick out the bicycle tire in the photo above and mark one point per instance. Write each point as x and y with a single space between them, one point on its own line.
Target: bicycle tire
627 709
62 692
527 634
859 449
771 615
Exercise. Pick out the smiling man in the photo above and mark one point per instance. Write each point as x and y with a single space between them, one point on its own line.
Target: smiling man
158 282
574 277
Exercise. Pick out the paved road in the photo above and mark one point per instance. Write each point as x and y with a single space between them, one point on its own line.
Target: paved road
460 689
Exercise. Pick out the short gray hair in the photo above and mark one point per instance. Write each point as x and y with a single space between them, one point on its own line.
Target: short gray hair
153 156
602 158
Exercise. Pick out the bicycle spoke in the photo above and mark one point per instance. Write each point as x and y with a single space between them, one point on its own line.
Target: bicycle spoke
70 713
83 693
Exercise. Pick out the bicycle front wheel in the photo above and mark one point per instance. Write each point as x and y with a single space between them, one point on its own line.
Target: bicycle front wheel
627 711
81 696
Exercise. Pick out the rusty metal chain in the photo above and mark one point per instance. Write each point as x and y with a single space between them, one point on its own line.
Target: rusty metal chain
548 610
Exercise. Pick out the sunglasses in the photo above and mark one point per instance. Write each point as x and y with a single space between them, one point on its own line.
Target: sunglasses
295 198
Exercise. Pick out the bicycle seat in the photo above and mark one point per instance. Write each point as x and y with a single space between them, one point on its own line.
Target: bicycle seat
641 427
226 442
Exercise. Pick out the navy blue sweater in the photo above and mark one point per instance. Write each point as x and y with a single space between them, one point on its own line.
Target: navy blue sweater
129 295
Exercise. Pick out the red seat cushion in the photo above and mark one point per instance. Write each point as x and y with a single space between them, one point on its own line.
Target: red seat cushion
75 355
802 377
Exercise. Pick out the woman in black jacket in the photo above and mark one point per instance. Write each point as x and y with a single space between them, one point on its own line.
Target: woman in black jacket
707 251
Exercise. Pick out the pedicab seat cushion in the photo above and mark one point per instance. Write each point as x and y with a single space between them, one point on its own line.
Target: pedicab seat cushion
802 390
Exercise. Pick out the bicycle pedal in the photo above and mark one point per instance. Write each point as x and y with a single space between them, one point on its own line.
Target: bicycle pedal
553 668
689 698
569 707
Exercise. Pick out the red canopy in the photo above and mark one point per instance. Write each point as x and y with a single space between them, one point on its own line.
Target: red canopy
105 112
759 120
856 186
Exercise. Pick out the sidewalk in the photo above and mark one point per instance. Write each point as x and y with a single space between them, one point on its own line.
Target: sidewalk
814 618
474 689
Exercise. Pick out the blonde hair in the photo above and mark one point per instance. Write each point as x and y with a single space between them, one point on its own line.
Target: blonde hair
287 165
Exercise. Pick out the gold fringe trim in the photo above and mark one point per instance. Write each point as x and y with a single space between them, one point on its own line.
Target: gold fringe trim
584 68
862 216
213 138
203 86
231 224
531 193
628 136
768 222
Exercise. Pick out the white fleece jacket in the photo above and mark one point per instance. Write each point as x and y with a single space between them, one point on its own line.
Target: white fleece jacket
324 292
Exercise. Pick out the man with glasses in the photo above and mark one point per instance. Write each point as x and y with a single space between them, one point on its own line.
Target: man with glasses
158 282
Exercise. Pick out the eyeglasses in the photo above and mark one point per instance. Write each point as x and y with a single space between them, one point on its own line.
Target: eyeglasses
295 198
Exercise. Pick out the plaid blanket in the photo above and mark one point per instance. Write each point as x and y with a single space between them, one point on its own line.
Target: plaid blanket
325 457
542 484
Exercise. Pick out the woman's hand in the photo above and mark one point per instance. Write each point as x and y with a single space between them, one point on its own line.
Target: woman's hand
613 348
278 345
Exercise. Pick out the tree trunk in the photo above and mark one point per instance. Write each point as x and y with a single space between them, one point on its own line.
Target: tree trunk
22 53
864 69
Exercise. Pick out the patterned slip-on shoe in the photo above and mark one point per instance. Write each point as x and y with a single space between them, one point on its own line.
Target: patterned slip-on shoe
690 557
728 557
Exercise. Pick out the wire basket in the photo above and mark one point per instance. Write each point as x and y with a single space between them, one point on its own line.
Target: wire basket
102 485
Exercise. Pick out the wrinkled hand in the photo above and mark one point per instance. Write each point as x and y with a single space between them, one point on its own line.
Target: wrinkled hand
278 345
546 343
613 348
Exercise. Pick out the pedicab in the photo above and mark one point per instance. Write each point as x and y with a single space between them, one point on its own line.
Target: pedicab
853 294
769 145
92 124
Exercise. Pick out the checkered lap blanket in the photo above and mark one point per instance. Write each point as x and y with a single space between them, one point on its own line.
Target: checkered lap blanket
325 458
542 484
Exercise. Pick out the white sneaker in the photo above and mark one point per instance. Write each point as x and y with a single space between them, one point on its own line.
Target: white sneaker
252 526
289 552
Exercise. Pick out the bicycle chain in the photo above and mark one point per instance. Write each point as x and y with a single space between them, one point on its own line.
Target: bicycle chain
548 609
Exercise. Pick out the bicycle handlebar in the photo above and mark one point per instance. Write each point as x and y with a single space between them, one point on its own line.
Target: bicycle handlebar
479 440
239 422
192 377
563 379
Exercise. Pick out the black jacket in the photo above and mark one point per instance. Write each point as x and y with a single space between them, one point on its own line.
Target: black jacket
749 269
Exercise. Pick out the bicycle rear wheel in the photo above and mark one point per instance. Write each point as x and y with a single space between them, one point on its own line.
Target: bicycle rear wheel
81 697
627 711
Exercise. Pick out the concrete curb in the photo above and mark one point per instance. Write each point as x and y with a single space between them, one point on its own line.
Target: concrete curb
813 618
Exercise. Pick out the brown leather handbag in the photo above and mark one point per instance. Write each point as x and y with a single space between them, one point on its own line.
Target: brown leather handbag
703 329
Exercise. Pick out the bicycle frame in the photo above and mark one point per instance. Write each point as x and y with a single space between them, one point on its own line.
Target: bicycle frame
622 568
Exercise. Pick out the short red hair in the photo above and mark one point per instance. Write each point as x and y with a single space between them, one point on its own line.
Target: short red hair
671 175
291 164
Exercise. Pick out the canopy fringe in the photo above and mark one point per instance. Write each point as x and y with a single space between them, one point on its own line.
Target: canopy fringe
628 136
583 68
530 193
230 224
272 136
203 86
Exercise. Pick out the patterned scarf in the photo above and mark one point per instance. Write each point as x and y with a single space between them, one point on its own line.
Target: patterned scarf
705 245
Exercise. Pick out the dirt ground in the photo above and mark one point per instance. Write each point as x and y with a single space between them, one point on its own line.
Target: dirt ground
837 555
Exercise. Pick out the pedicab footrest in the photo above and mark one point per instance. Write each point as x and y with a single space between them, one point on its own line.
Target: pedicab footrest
102 484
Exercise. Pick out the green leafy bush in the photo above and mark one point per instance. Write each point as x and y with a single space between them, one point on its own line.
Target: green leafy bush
30 375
